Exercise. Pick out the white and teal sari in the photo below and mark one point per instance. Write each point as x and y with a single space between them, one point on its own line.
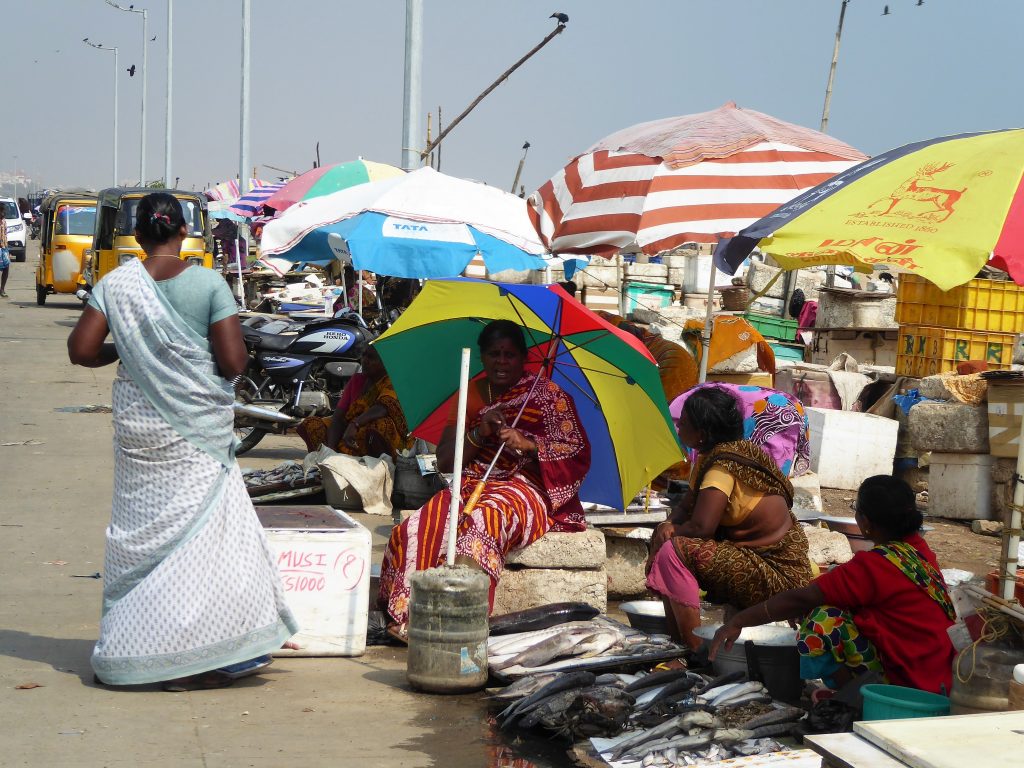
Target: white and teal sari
189 581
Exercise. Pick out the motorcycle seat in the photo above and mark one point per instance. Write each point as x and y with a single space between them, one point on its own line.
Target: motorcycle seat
271 342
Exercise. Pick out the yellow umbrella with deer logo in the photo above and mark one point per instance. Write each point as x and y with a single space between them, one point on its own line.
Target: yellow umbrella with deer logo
941 208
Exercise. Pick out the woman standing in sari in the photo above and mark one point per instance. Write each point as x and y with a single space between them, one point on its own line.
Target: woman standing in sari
171 611
532 489
886 610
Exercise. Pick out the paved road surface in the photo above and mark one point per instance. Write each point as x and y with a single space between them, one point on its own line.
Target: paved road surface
56 484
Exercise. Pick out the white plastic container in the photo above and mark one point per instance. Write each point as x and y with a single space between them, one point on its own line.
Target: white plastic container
847 447
960 486
697 275
323 556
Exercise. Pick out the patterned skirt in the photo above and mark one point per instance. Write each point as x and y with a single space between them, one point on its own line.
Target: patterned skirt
745 576
511 514
829 640
314 429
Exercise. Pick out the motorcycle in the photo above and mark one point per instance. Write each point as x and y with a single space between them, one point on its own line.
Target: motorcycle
297 369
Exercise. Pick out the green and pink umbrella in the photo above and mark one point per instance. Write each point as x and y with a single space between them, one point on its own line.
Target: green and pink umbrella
327 179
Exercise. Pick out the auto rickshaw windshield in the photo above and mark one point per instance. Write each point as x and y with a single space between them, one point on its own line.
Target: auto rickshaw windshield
74 220
190 208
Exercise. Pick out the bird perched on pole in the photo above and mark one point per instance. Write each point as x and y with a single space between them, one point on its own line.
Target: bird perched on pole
131 71
563 18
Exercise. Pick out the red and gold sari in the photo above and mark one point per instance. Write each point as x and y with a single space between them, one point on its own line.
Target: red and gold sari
524 497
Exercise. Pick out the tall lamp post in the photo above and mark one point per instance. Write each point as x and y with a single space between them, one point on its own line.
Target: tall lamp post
167 121
101 47
15 178
145 76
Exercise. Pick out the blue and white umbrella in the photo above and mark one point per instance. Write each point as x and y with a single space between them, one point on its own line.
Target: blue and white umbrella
423 224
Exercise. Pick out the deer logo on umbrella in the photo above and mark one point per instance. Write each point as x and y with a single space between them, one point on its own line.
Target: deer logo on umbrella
918 189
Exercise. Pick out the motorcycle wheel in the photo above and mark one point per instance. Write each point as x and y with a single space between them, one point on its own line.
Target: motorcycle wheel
249 438
246 390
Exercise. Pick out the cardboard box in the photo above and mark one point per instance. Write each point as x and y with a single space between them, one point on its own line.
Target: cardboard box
1005 410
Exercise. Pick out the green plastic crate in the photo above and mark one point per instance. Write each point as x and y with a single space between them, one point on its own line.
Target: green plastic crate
772 327
788 351
648 296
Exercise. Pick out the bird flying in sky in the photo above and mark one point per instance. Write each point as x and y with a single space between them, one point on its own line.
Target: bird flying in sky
131 71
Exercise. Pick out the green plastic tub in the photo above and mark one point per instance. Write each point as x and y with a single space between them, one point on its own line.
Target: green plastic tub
894 702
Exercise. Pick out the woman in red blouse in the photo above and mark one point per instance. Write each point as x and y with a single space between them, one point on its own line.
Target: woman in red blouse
886 610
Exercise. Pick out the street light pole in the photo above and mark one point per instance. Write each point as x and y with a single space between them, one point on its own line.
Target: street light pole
145 75
411 139
167 122
15 178
101 47
243 139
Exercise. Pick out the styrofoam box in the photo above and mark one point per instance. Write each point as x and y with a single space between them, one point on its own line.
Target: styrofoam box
848 447
960 485
323 556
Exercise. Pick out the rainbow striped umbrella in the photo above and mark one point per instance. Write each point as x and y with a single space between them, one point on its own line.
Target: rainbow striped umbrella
327 179
941 208
610 375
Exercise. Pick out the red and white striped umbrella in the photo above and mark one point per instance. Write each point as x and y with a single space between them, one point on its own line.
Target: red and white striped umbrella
685 179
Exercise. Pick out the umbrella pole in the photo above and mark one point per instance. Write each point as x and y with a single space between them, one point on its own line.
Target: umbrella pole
238 263
479 489
460 437
709 324
359 291
1011 540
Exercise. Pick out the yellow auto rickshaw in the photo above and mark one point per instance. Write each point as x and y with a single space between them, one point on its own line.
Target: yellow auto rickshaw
67 221
114 240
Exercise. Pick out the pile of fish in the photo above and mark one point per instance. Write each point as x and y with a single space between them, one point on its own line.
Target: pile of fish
573 645
289 474
674 718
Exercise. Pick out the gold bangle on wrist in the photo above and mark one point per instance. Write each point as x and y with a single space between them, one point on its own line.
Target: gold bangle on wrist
469 437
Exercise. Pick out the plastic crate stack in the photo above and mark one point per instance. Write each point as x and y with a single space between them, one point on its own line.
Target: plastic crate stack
979 320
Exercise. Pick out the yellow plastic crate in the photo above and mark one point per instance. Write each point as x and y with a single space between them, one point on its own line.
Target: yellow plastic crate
912 341
979 305
943 348
909 365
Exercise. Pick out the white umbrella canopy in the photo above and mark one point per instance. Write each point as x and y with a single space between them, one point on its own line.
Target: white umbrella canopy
422 195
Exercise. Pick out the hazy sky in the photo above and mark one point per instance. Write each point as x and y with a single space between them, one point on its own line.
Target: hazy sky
331 71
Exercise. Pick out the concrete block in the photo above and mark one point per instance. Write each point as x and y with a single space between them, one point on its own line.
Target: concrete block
514 276
949 428
806 496
676 275
826 547
598 276
759 275
933 388
625 566
662 316
557 550
523 588
648 273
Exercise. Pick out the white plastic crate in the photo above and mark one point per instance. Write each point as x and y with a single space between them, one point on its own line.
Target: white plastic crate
848 447
323 556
